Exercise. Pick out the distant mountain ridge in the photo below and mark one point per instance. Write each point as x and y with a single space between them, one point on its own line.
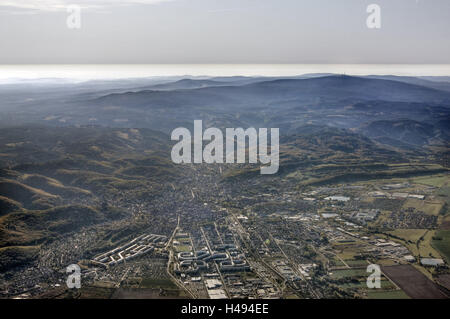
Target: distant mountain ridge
407 131
289 103
345 87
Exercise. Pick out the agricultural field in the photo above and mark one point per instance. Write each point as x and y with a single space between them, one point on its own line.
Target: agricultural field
183 248
441 242
355 279
428 207
413 282
435 180
350 273
356 263
418 241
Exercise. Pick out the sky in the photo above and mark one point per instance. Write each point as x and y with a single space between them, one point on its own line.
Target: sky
224 31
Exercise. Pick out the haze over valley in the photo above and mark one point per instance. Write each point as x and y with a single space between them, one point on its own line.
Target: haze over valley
86 178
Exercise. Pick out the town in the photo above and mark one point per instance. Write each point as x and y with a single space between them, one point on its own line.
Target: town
274 244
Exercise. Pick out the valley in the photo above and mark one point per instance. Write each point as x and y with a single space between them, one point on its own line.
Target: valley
86 178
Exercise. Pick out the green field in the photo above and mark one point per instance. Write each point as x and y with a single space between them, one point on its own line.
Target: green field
356 263
436 180
349 273
183 248
412 236
385 284
430 208
442 245
408 234
336 262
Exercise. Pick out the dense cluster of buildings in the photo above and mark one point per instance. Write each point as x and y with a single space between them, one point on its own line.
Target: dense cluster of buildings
132 249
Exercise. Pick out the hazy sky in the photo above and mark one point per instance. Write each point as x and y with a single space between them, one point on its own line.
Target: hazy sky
224 31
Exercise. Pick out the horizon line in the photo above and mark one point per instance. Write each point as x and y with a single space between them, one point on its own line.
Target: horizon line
88 72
